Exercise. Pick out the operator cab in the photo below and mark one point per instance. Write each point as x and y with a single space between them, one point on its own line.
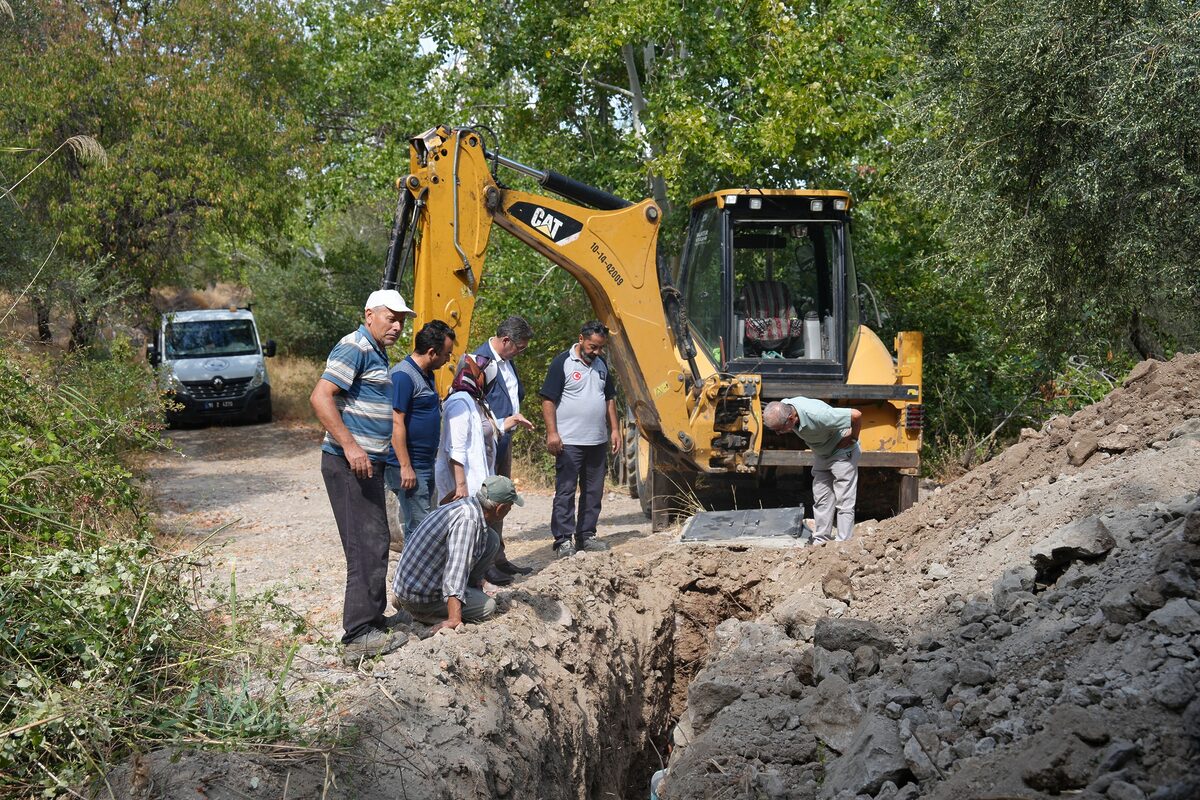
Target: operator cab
768 278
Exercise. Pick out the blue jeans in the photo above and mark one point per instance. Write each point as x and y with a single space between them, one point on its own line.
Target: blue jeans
415 503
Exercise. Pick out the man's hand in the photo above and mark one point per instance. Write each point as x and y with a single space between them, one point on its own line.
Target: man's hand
453 622
408 477
447 627
554 444
515 420
460 491
615 438
360 462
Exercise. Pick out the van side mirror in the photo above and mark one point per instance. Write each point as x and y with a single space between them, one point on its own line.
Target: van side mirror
153 356
269 348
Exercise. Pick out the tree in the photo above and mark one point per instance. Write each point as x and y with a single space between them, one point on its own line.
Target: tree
192 101
1062 150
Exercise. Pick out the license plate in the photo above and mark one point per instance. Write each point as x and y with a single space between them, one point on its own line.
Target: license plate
215 405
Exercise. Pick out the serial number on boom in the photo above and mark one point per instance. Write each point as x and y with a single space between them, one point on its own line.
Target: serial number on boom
602 257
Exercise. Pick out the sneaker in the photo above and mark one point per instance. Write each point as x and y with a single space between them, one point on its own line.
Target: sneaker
566 549
401 617
590 545
372 643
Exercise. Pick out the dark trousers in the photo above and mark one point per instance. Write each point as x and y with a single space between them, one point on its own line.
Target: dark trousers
361 514
503 467
582 466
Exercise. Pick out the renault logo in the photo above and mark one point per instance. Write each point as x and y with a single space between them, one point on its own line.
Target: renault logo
218 382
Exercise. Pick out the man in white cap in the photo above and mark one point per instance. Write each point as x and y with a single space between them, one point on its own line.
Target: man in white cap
353 401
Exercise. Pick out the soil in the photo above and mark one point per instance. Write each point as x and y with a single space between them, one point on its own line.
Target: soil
1030 630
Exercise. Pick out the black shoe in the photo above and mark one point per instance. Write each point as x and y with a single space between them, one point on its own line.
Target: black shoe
510 568
497 577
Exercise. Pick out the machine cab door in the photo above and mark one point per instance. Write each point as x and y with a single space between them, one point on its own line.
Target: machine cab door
769 282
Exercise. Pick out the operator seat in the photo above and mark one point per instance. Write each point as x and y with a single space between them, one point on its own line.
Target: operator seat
771 321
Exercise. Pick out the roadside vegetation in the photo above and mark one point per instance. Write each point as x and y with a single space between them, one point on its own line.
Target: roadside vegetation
105 650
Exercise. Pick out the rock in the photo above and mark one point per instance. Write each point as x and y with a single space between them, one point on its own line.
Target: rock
975 611
972 631
1177 617
1118 606
835 662
875 755
833 633
984 746
1064 765
937 572
974 673
1141 371
1081 722
804 667
918 761
1081 447
1120 790
836 585
799 611
1016 580
932 679
706 698
866 661
1149 596
523 686
1086 539
832 713
1174 688
1116 755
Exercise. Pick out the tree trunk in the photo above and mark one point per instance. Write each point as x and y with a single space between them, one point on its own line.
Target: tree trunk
1143 339
84 327
41 310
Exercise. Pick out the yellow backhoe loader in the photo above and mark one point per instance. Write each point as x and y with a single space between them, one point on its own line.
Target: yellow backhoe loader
765 306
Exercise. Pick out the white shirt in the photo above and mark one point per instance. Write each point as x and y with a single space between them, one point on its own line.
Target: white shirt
464 439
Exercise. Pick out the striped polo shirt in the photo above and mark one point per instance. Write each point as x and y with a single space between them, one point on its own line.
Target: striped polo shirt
358 366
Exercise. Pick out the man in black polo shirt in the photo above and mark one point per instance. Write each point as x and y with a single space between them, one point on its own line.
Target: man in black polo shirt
580 409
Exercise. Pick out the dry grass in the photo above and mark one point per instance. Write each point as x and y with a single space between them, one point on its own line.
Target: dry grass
215 295
292 381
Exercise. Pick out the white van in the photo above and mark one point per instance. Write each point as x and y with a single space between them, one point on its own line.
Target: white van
211 363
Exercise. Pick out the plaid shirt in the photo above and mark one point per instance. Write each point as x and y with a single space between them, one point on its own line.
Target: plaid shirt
439 553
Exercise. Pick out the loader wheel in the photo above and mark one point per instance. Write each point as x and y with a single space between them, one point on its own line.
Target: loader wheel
630 456
642 472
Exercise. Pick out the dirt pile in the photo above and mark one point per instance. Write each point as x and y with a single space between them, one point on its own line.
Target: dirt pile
1032 629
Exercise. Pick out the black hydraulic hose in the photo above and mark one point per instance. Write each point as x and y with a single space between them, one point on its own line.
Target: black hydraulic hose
400 226
677 316
581 192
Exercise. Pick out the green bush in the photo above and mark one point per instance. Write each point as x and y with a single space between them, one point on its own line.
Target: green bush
62 482
101 652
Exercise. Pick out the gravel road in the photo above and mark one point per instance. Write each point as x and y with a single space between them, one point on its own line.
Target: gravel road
263 483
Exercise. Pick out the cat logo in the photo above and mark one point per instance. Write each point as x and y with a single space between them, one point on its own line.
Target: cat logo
554 225
546 222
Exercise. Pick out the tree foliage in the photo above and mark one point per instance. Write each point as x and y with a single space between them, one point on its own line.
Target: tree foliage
190 99
1062 154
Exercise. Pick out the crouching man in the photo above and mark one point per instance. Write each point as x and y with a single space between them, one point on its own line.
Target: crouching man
440 577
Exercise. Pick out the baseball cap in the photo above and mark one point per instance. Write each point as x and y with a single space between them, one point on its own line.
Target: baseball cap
500 489
389 298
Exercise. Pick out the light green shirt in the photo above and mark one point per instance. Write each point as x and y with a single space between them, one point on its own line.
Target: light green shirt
821 425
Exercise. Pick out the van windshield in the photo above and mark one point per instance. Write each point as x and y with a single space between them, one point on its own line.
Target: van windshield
206 338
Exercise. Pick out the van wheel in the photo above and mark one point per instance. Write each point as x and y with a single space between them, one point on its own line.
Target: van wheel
264 416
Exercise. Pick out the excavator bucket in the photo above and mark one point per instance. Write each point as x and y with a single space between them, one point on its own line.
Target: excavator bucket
763 527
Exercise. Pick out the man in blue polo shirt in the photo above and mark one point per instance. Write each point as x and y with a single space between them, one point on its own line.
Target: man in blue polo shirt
417 422
353 401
